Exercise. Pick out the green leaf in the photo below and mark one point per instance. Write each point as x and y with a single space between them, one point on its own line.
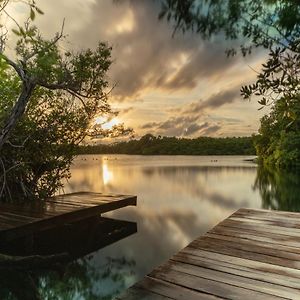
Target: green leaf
32 14
39 11
16 32
22 31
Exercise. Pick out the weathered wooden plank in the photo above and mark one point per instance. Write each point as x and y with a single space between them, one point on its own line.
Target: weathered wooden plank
76 200
135 293
280 218
12 220
23 218
102 200
209 286
284 214
275 239
231 279
267 247
250 263
83 197
73 203
243 262
247 246
259 227
173 291
281 223
26 209
239 270
233 250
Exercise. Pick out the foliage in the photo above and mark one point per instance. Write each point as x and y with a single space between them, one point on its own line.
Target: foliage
278 87
151 145
279 189
253 22
48 99
42 145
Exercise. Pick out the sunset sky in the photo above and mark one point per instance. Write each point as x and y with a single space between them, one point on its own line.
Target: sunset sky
175 86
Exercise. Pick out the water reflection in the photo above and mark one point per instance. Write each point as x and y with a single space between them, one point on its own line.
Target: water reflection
179 198
67 270
107 175
279 190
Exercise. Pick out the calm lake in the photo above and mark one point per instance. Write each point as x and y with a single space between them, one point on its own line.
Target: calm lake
179 198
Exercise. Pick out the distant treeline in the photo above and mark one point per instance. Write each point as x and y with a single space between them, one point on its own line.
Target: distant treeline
151 145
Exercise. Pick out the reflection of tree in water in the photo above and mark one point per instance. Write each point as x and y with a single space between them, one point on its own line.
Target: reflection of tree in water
279 189
74 274
79 280
76 280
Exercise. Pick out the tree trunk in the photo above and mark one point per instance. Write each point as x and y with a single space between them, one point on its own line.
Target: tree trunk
17 112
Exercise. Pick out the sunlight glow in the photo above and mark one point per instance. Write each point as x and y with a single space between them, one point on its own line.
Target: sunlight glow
100 120
106 123
107 175
110 124
126 24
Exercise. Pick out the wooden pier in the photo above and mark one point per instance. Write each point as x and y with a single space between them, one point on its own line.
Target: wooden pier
253 254
21 219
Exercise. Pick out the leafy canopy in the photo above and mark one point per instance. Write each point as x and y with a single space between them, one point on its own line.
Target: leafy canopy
253 22
48 100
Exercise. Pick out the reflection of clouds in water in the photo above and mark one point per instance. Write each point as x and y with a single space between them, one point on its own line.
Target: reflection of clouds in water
179 198
160 235
196 181
225 202
195 187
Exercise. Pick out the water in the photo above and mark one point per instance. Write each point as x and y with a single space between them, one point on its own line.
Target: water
179 198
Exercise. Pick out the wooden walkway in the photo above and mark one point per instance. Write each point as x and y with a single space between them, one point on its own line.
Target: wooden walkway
20 219
253 254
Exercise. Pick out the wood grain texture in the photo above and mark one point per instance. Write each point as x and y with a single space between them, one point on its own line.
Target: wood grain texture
253 254
22 218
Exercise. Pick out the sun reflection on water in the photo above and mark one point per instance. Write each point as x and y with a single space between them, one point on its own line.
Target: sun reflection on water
107 175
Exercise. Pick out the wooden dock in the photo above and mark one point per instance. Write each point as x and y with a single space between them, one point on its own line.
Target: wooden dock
21 219
253 254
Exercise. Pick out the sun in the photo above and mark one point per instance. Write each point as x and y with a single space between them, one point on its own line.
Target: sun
107 123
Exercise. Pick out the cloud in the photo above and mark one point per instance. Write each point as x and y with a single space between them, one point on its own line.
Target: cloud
191 119
177 121
204 61
149 125
150 67
214 101
203 129
193 128
176 125
221 98
230 121
126 110
211 129
185 126
146 56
